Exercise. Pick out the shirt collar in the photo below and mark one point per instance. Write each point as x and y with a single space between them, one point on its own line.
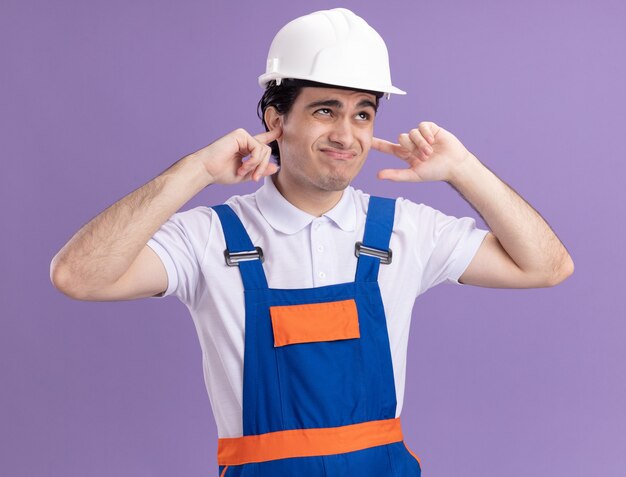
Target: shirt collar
285 217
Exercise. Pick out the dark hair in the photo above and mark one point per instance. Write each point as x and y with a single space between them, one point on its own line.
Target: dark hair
283 96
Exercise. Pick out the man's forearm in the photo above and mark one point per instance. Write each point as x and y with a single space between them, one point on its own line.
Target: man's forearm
522 232
103 249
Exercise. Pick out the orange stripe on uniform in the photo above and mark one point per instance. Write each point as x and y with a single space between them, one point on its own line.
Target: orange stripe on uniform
307 442
413 454
312 322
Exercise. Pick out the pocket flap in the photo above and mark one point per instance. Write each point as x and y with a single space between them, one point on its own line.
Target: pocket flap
312 322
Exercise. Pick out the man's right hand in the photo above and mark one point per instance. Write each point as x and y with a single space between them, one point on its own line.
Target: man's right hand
224 158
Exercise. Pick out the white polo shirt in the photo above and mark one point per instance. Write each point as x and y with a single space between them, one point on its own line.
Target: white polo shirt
301 251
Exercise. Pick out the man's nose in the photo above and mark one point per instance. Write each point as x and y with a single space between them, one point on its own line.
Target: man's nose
341 132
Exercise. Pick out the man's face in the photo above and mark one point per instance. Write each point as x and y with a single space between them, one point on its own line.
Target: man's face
326 137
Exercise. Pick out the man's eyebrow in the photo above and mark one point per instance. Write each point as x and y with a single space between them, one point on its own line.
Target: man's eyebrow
366 103
334 103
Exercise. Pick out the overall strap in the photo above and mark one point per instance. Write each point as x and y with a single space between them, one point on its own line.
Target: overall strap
375 245
238 241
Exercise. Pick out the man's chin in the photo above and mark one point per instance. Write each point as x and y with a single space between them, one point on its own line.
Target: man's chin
335 183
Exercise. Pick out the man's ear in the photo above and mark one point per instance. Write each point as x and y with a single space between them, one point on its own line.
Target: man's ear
272 118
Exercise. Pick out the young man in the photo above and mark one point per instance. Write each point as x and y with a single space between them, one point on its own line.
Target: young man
302 292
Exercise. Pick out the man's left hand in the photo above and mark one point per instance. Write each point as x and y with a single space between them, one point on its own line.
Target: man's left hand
431 154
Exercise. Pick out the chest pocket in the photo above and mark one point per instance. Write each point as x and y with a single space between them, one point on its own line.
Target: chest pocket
314 322
319 363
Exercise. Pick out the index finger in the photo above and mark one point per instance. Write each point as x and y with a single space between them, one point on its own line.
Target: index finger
388 147
269 136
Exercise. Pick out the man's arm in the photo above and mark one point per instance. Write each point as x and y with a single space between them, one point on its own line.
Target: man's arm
521 250
108 259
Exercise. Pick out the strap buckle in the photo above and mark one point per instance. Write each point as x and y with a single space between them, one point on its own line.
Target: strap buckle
383 255
233 258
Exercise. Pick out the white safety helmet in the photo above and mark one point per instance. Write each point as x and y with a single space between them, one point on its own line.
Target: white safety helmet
334 47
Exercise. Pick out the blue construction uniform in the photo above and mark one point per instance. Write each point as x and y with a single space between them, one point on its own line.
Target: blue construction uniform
318 385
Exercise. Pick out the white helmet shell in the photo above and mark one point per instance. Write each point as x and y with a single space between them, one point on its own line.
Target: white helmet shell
334 47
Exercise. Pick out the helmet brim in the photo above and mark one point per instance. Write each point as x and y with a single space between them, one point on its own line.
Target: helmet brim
362 85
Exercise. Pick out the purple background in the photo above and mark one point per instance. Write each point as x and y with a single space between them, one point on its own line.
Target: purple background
99 97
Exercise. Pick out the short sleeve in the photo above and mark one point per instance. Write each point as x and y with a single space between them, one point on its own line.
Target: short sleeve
181 243
443 245
455 242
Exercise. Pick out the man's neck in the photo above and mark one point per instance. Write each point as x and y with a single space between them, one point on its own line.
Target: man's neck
316 203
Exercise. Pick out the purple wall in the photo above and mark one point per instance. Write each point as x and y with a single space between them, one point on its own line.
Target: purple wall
98 97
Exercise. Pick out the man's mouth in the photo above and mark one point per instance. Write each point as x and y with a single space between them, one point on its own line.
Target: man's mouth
339 154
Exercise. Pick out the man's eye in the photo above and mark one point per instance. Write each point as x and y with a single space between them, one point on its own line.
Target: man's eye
323 111
363 116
